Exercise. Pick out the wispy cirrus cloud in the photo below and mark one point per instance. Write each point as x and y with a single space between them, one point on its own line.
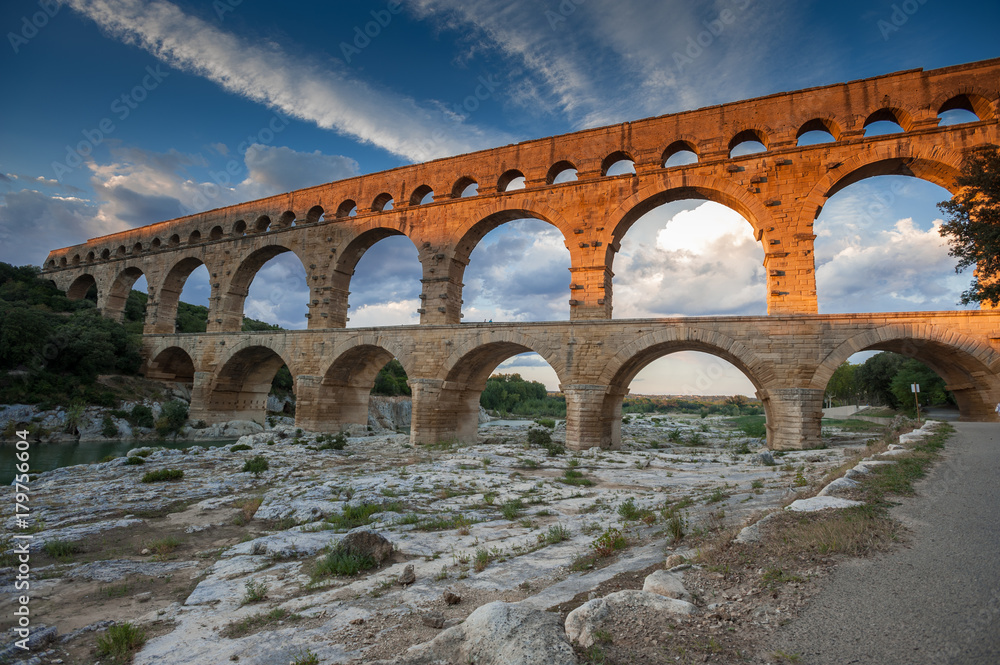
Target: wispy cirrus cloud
262 71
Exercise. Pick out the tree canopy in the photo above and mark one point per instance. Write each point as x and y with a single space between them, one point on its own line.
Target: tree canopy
973 224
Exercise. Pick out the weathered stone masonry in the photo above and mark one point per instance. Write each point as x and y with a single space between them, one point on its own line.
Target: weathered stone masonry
787 354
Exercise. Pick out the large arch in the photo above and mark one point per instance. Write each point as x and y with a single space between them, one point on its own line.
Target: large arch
449 409
118 294
605 408
172 364
968 367
338 399
234 299
243 382
80 286
168 296
347 263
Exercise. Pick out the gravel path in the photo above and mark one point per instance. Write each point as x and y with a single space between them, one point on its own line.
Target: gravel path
936 601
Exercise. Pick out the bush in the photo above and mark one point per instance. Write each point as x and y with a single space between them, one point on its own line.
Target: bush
120 641
134 460
256 465
609 542
163 475
61 549
108 428
336 443
173 418
141 416
338 561
238 447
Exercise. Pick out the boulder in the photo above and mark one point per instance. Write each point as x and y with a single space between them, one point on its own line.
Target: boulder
497 633
408 577
589 617
820 503
663 583
367 543
765 458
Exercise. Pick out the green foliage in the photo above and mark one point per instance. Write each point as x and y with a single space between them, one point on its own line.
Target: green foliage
509 393
339 561
354 516
875 377
239 447
932 387
511 509
120 641
973 223
391 380
172 419
61 549
885 378
609 542
556 534
256 465
254 591
629 511
108 428
704 406
338 442
163 475
141 416
134 460
543 438
843 385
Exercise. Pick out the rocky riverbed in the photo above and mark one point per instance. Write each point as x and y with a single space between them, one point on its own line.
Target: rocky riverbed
221 564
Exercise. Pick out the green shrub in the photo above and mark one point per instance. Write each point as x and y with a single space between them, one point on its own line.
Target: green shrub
108 428
609 542
255 591
511 509
256 465
556 534
546 422
120 641
134 460
335 443
238 447
141 416
340 562
172 419
61 549
162 475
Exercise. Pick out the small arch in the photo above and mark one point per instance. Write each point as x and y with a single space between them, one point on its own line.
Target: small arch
262 224
80 286
240 227
121 251
680 153
383 202
63 261
170 292
887 121
76 259
119 292
349 208
510 181
422 195
818 130
105 254
287 220
194 238
175 240
155 244
90 258
965 108
216 233
560 172
172 364
137 248
748 142
315 215
244 382
618 163
464 188
52 262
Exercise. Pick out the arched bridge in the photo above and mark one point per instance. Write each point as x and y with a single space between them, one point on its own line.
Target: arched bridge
445 207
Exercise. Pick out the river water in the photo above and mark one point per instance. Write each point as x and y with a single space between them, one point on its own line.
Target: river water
48 456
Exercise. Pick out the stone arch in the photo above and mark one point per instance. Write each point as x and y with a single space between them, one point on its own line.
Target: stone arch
137 248
508 177
420 193
243 381
633 357
614 158
821 124
461 185
680 145
80 286
968 367
105 254
233 300
216 233
91 257
345 208
338 399
449 409
759 134
381 202
974 100
557 169
194 238
262 225
239 227
119 253
937 165
155 243
169 293
171 364
286 221
174 240
114 307
314 215
890 113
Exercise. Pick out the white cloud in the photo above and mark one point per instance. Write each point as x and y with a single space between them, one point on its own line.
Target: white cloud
32 224
279 293
402 312
700 261
261 71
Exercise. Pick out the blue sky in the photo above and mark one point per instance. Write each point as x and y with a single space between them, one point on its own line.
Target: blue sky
296 94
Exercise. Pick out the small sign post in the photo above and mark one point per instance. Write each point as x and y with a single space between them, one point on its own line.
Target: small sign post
915 389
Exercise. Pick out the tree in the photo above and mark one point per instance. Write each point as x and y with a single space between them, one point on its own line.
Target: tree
843 384
932 386
875 376
973 225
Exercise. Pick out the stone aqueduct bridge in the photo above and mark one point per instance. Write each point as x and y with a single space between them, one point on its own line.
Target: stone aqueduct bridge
789 354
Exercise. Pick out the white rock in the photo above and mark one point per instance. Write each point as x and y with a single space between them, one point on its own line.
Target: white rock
820 503
584 620
496 634
666 584
838 485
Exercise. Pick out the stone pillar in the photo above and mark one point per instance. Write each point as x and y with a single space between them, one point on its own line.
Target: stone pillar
590 293
443 411
441 292
201 397
327 307
329 408
793 418
977 401
593 416
790 266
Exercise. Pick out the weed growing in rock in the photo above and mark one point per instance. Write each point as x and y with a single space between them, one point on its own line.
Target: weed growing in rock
163 545
511 509
256 465
757 484
360 515
717 495
338 561
116 590
255 591
307 658
556 534
163 475
576 478
61 549
481 559
546 422
609 542
629 511
338 442
257 622
238 447
120 641
248 508
134 460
